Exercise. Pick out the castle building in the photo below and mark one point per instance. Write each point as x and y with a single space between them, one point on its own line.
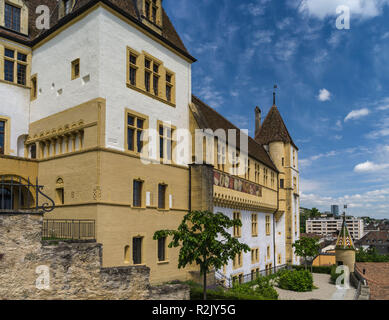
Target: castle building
83 102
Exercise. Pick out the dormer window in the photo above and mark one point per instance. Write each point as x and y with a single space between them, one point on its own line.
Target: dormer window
152 10
12 17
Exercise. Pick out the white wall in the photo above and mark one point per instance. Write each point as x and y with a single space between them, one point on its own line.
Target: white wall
116 35
52 63
100 41
261 242
15 105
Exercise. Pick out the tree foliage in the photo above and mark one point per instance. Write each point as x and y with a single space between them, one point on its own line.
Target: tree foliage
370 255
306 247
204 240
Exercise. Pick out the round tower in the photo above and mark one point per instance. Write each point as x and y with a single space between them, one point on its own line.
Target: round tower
345 249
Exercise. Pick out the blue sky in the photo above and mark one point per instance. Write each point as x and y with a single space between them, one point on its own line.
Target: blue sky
333 85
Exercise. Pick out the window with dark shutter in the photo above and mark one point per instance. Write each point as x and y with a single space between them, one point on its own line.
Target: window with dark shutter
162 249
2 137
137 194
161 196
137 250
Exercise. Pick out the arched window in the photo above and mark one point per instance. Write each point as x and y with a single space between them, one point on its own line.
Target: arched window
127 254
60 191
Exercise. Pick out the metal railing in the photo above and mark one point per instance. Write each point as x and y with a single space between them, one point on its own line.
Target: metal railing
18 195
245 278
68 229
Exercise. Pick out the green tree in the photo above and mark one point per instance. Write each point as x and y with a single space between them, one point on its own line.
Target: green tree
315 213
204 240
306 247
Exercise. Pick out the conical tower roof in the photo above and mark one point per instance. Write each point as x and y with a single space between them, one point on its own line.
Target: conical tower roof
273 129
345 240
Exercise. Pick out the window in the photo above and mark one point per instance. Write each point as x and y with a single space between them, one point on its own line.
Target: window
294 158
12 17
133 67
268 225
155 78
169 86
137 193
282 183
221 155
162 249
254 255
268 252
147 9
127 254
137 250
294 183
238 261
254 225
15 63
272 175
165 142
265 176
162 196
2 137
148 75
237 229
135 126
257 173
60 195
75 69
34 88
33 151
279 259
283 161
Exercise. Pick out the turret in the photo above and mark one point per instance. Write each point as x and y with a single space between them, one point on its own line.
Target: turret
345 249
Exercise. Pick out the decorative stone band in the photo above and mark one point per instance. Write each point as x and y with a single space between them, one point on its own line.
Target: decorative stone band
227 181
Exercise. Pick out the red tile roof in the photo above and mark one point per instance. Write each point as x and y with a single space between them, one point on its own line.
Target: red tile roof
377 276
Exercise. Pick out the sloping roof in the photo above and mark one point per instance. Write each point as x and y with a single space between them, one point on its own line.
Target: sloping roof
207 118
273 129
375 236
345 240
127 8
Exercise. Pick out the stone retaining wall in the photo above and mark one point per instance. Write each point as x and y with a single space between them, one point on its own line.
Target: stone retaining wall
30 269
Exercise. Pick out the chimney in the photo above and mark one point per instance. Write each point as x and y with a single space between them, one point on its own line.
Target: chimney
257 119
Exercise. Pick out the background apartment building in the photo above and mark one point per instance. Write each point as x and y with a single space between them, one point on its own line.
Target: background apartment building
325 226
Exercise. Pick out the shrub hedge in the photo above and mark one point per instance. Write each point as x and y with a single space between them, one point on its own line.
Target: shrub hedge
296 280
316 269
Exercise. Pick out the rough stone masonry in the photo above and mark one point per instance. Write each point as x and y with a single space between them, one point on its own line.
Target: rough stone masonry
31 269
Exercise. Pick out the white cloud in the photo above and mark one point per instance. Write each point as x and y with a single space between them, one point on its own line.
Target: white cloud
321 9
263 36
356 114
369 166
285 49
324 95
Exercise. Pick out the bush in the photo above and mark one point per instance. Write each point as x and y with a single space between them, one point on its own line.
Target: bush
316 269
196 293
265 289
296 280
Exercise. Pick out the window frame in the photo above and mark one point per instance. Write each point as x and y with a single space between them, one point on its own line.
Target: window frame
141 253
141 200
172 139
16 62
34 87
165 186
13 7
237 231
6 134
74 63
268 225
254 225
137 116
165 252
